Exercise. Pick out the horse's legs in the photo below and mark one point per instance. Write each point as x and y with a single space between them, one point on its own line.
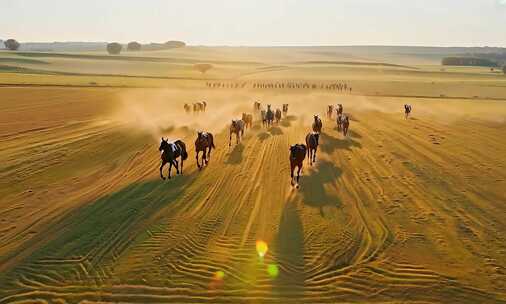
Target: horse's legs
291 174
314 154
181 166
230 139
197 157
170 167
176 164
298 173
204 157
161 167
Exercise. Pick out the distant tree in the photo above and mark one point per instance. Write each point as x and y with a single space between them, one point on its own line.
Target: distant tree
203 67
134 46
114 48
11 44
468 61
504 69
175 44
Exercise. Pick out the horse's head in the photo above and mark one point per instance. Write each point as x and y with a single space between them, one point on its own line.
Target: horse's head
269 107
316 118
199 134
163 145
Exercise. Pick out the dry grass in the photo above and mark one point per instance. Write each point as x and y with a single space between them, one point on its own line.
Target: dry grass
399 211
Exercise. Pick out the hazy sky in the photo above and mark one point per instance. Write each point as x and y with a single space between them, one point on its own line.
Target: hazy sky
259 22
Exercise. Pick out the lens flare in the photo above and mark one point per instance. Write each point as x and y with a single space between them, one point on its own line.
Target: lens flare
219 275
272 270
262 248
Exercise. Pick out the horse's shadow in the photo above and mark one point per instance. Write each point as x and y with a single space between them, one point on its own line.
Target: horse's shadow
313 186
275 131
290 250
235 156
286 122
263 136
329 143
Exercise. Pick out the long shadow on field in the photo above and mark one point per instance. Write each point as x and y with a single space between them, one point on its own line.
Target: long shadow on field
290 254
275 131
100 231
329 144
263 135
313 186
235 156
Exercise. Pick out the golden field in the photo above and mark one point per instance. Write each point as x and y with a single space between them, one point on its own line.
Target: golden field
400 211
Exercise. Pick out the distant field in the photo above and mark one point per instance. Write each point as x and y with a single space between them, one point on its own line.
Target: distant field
399 211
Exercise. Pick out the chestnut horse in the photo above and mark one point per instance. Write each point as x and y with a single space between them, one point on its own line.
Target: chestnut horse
317 124
278 115
248 120
204 143
237 127
346 125
297 156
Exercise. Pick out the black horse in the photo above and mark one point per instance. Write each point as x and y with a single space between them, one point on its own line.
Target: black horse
172 151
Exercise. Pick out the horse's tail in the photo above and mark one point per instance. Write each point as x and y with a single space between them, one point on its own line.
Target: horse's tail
184 154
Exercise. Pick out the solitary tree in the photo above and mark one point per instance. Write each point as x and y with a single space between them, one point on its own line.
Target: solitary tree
134 46
203 67
114 48
11 44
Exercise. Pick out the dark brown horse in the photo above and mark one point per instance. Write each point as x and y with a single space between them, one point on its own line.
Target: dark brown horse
204 143
285 109
204 106
171 152
263 115
277 115
407 110
317 124
269 116
297 156
312 146
187 108
237 127
346 125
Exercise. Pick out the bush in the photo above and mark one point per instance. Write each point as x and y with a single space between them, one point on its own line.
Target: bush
114 48
175 44
203 67
12 44
134 46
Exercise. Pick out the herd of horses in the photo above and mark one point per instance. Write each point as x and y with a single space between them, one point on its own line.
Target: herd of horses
172 151
340 86
196 107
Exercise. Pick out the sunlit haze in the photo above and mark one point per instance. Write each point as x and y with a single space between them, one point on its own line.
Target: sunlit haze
260 22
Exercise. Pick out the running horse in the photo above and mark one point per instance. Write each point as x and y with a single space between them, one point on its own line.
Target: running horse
339 109
346 125
407 110
248 120
285 109
269 115
297 156
277 115
204 143
237 128
256 106
312 146
171 152
317 124
330 110
340 122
